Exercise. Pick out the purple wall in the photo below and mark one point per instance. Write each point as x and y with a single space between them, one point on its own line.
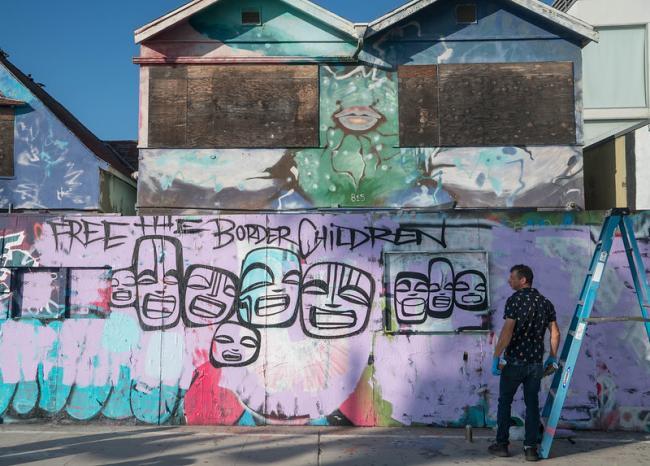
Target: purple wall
298 319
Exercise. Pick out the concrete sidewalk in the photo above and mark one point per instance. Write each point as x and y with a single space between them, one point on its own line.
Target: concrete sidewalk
73 445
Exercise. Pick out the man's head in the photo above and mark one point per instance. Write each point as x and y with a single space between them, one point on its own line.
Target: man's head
521 276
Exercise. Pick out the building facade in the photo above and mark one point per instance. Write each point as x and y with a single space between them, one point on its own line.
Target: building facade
617 101
440 105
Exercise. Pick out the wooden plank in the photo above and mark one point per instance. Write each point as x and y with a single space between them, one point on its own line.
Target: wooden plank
418 106
507 104
247 106
7 117
168 106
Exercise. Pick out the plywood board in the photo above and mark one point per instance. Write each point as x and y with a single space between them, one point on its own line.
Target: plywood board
7 142
507 104
418 106
235 106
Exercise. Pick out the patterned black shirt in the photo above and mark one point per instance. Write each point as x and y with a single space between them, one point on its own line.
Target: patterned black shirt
533 313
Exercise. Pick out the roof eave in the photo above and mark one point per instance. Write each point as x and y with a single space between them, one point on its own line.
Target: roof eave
558 17
165 22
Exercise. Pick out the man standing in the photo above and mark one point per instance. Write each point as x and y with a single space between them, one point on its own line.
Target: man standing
527 316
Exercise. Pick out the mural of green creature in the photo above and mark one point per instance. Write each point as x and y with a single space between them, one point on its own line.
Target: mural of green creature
359 163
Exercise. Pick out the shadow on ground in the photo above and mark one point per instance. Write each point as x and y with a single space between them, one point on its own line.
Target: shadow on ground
177 446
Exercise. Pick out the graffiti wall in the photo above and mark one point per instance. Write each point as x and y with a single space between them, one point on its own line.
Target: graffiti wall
52 168
328 319
360 164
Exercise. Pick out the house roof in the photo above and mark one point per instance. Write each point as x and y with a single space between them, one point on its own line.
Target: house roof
535 6
195 6
92 142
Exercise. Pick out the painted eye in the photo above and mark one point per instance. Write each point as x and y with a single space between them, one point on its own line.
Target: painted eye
170 280
229 290
355 295
292 278
421 287
248 342
434 287
403 286
462 286
224 339
255 286
480 287
449 286
316 287
146 280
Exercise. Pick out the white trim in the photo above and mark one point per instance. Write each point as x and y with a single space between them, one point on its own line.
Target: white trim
164 22
641 113
556 16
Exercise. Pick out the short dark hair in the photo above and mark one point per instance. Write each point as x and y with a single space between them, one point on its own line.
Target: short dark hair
523 271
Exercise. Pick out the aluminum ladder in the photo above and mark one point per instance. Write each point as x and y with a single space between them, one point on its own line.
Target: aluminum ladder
616 219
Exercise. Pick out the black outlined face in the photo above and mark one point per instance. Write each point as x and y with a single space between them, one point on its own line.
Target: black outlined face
158 268
122 288
411 293
471 291
234 345
441 288
209 295
270 288
336 300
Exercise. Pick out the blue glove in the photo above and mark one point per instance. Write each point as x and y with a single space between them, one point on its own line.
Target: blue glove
551 362
495 366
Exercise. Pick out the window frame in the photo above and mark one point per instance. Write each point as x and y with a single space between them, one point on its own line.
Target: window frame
624 113
9 110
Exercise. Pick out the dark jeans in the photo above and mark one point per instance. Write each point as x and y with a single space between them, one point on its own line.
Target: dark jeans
515 374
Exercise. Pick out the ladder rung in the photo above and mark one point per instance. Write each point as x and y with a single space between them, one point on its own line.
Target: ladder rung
603 320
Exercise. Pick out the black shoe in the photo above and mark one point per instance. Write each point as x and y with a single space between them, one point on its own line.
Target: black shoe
499 449
531 454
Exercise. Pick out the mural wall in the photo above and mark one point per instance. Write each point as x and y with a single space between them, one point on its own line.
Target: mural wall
360 164
297 319
360 161
53 169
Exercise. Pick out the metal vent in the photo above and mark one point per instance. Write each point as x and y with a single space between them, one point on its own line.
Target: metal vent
466 14
251 17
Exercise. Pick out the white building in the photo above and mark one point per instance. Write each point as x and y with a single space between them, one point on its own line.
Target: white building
617 101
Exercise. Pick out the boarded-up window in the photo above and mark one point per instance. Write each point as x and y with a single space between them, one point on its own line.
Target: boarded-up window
487 104
507 104
90 293
418 106
7 117
40 293
233 106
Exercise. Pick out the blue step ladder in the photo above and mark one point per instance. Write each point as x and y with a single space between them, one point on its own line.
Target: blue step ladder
616 219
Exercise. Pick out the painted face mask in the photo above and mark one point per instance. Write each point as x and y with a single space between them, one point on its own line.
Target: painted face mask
270 284
209 295
234 345
122 288
336 300
158 268
411 294
471 291
441 288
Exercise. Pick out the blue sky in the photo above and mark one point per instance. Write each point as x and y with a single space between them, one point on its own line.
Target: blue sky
82 50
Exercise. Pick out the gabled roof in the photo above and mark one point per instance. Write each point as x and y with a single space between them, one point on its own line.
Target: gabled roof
92 142
535 6
195 6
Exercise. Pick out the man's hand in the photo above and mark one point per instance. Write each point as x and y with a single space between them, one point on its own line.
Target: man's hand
497 365
550 365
